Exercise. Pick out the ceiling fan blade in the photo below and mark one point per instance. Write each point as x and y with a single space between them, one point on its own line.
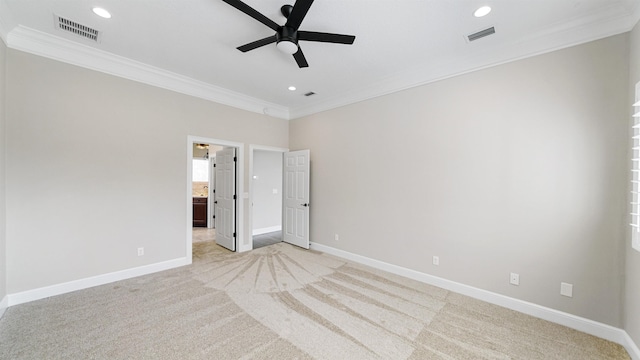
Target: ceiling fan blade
298 13
253 13
326 37
258 43
300 59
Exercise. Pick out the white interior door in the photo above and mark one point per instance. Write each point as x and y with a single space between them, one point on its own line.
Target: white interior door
295 204
211 209
224 200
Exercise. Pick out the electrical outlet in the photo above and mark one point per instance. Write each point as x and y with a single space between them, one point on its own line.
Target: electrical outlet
514 279
436 260
140 251
566 289
336 237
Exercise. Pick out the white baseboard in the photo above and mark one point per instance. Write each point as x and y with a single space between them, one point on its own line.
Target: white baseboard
266 230
572 321
58 289
3 305
631 346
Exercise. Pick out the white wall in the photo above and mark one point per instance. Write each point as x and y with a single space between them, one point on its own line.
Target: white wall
3 246
267 206
632 261
114 174
516 168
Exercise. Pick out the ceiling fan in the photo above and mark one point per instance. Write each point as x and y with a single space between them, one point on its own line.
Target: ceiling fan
288 35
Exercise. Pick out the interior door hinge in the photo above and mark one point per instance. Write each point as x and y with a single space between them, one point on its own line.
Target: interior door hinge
235 158
234 234
234 197
214 165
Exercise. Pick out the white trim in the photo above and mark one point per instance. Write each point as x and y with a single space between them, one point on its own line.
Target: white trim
572 321
58 289
4 304
561 35
53 47
266 230
252 148
631 347
588 326
189 221
240 246
210 191
634 151
267 148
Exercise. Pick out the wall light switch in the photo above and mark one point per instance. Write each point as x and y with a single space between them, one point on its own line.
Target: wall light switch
140 251
566 289
436 260
275 191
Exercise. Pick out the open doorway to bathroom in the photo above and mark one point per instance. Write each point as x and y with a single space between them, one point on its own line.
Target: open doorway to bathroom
203 192
213 198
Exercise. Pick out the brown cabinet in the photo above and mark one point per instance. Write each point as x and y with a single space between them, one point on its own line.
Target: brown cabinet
199 212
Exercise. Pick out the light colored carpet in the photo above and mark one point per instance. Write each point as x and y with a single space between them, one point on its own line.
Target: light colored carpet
281 302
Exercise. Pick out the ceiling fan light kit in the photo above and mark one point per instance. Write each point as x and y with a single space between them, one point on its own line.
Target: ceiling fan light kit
286 40
288 35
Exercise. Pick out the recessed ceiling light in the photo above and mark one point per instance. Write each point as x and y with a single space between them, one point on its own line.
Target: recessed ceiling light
292 88
482 11
101 12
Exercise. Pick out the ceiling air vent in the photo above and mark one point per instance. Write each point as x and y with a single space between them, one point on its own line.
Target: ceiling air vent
480 34
310 93
78 29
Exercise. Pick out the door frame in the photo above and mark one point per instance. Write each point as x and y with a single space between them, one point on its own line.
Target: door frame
211 193
240 243
252 148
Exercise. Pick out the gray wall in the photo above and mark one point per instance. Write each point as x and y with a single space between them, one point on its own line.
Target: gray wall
267 206
632 278
516 168
114 173
3 246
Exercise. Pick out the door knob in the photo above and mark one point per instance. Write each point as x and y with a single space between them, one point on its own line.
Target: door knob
305 205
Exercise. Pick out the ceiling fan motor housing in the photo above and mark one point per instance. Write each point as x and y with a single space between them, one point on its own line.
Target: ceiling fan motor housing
286 36
287 39
286 10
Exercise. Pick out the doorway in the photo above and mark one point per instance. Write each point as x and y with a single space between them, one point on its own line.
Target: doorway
233 209
203 184
265 187
294 201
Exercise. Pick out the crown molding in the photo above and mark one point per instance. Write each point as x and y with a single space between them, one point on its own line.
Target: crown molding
42 44
563 35
618 19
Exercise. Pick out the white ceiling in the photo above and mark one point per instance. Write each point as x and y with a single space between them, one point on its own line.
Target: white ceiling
190 45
